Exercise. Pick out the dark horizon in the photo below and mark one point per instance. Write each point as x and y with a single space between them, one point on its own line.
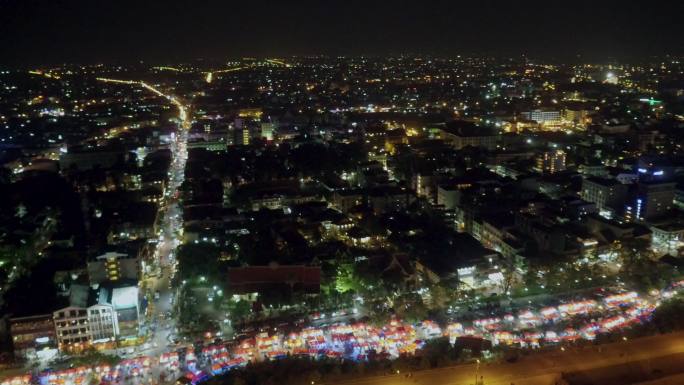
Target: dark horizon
50 32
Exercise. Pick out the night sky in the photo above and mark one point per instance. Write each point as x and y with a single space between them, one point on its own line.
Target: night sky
36 32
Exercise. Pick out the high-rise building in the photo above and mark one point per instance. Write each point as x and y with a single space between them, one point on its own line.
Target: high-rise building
245 136
609 195
550 162
653 200
241 135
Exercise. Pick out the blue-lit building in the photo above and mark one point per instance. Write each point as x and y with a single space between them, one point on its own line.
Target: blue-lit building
653 200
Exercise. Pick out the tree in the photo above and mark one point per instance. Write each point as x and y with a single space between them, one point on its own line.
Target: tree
411 308
346 279
439 352
645 275
508 279
640 269
633 250
238 309
199 259
668 317
439 296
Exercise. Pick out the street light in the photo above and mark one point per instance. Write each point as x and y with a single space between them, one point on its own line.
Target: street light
477 370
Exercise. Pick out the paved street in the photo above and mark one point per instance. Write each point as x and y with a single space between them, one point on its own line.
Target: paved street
162 324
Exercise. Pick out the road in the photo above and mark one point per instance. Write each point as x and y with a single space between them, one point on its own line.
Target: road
161 326
541 368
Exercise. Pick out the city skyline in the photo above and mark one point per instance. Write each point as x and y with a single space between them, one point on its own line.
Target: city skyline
41 32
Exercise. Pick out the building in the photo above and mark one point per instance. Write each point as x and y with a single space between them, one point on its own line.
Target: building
447 196
611 78
245 136
661 169
543 116
83 158
468 263
271 202
575 115
463 134
71 328
653 200
389 198
371 174
667 238
395 138
113 266
551 162
609 195
344 200
241 136
103 323
598 170
113 315
209 145
125 301
255 279
424 185
494 235
268 130
610 230
33 336
253 113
